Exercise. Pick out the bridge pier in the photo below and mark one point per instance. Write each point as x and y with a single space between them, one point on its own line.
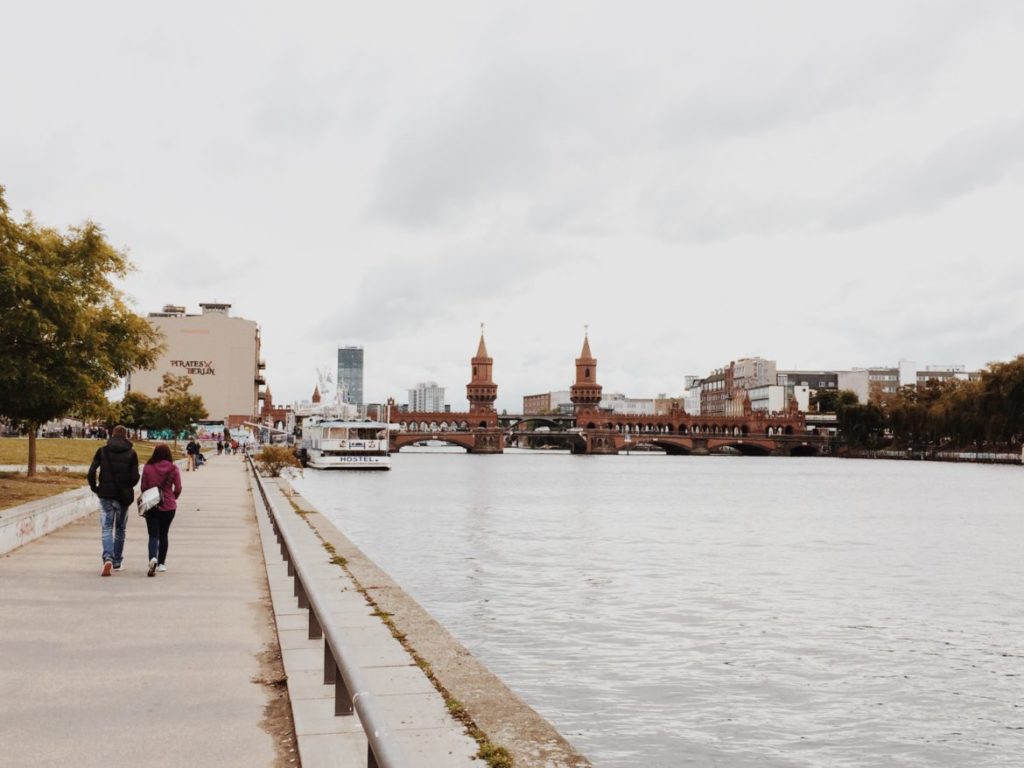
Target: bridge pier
488 441
599 442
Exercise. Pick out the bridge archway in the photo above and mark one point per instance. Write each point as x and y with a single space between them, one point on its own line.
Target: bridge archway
536 420
404 440
674 447
805 450
747 449
742 446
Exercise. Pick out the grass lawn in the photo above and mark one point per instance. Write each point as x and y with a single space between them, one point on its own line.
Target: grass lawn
17 489
62 451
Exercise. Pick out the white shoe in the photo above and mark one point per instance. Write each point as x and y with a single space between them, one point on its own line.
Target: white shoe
152 567
161 568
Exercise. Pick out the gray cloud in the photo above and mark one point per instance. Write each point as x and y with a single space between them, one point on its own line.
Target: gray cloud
969 161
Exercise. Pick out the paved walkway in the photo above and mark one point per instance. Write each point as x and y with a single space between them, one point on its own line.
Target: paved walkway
130 670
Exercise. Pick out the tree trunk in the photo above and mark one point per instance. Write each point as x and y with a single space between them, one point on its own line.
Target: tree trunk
32 430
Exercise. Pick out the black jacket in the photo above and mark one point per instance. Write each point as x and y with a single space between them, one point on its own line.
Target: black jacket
124 467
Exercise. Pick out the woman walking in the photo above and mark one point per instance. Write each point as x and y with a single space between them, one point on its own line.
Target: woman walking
161 472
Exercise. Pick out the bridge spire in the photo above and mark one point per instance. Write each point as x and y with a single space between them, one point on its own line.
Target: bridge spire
481 390
586 392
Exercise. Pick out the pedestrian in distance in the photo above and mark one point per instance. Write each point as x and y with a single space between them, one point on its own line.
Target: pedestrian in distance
192 450
112 477
161 472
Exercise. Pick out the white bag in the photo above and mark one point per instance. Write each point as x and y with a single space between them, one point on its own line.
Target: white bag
149 499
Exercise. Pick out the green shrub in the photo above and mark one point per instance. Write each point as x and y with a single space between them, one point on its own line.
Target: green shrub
273 458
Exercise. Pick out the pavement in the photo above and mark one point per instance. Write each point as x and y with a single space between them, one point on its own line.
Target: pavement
129 670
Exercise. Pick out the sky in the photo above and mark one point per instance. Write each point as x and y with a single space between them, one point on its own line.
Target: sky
825 184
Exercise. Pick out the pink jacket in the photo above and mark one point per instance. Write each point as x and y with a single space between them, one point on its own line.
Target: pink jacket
165 476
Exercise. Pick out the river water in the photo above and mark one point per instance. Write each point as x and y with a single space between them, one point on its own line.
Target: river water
721 611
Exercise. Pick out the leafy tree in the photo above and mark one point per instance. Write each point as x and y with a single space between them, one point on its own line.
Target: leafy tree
832 400
66 333
862 425
177 408
137 411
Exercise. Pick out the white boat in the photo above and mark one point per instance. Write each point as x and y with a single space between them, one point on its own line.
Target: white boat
345 444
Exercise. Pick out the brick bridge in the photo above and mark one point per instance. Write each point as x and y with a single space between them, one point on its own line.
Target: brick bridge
592 431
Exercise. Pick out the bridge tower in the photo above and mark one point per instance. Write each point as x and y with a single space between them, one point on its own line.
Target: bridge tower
481 390
586 392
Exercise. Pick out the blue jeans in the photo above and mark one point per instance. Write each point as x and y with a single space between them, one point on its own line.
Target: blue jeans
113 519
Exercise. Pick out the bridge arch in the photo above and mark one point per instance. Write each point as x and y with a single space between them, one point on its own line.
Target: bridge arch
805 450
743 446
539 420
401 441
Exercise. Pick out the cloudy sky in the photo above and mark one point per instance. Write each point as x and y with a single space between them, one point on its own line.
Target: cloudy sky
827 184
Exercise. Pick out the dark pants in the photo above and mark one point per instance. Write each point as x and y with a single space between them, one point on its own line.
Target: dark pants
158 522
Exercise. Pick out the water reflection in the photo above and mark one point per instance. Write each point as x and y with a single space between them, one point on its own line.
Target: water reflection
666 611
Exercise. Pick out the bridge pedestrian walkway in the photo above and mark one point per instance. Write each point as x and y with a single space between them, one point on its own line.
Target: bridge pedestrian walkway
131 670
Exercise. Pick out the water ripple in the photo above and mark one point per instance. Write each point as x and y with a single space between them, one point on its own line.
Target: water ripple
675 611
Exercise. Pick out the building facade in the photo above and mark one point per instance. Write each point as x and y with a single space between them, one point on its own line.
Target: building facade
776 398
945 373
616 402
724 392
814 380
547 403
427 396
220 353
350 374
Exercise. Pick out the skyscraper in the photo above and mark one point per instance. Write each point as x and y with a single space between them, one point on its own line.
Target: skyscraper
350 374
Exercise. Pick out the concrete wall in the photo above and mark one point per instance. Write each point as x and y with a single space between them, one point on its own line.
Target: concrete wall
20 525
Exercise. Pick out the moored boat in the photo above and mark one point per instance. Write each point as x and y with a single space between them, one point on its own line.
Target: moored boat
345 444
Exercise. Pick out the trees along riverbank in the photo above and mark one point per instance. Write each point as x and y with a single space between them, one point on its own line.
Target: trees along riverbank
984 414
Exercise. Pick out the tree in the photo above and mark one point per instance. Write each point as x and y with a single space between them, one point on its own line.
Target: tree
176 408
66 333
833 400
137 411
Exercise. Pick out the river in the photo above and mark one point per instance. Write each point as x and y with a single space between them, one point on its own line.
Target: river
721 611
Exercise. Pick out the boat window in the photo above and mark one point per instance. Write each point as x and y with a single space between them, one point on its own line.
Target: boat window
336 433
371 433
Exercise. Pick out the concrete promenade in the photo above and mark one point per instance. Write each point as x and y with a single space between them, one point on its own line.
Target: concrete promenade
131 670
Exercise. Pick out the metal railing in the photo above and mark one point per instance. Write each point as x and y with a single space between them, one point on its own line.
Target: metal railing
351 692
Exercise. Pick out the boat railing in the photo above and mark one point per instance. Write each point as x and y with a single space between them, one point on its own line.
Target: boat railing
352 695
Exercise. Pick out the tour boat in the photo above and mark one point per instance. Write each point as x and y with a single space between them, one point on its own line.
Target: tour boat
345 444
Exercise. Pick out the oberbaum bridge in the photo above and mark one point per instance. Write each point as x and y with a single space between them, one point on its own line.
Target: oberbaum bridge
589 430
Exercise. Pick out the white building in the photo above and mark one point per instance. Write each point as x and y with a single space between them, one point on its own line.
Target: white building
857 381
425 397
616 402
774 398
753 372
907 373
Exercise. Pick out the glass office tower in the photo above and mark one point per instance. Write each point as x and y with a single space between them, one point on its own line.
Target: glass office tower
350 374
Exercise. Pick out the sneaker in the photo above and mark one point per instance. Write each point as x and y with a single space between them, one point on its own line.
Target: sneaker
119 566
161 568
107 566
152 567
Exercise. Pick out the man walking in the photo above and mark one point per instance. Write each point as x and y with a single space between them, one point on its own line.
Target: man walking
118 467
192 451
